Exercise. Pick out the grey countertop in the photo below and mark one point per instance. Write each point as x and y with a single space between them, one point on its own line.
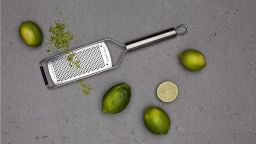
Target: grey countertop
215 106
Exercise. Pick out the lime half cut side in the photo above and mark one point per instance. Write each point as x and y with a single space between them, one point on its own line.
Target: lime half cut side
167 91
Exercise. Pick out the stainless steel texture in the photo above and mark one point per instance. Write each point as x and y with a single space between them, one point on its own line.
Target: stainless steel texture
93 59
163 35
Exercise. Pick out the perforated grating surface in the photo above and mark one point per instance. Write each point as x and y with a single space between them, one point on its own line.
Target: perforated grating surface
90 60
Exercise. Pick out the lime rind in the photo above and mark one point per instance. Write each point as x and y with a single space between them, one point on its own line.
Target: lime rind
31 33
116 98
156 120
192 60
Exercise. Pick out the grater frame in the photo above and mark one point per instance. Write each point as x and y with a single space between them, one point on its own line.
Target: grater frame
51 80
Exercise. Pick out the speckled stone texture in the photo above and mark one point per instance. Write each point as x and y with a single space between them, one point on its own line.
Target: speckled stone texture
215 106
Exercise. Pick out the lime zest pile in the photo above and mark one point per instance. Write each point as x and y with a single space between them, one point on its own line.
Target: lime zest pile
60 38
85 88
73 59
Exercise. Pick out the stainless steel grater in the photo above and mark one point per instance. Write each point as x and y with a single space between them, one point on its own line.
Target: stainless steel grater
96 58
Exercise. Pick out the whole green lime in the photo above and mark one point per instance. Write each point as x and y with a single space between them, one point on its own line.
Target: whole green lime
156 120
116 98
31 33
192 59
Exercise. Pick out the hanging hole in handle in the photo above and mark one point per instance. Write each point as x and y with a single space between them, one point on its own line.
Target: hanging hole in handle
181 29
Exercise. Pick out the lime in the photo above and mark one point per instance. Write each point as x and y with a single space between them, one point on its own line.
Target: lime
167 91
116 98
156 120
192 59
31 33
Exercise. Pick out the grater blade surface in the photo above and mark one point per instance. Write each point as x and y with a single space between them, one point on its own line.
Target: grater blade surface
93 59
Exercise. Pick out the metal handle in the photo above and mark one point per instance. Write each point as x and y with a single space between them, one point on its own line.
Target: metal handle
163 35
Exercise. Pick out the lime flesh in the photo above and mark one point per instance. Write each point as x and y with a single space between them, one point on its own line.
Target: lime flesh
167 91
156 120
192 59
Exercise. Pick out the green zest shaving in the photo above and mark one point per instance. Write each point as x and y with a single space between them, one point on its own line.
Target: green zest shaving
73 59
84 87
60 38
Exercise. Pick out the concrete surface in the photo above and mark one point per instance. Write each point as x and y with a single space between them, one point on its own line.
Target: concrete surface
215 106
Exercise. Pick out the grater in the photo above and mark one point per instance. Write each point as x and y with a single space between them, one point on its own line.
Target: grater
96 57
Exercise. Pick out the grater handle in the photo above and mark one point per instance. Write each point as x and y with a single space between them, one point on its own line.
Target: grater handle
163 35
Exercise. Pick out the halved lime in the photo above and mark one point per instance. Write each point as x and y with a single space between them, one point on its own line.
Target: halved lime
167 91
